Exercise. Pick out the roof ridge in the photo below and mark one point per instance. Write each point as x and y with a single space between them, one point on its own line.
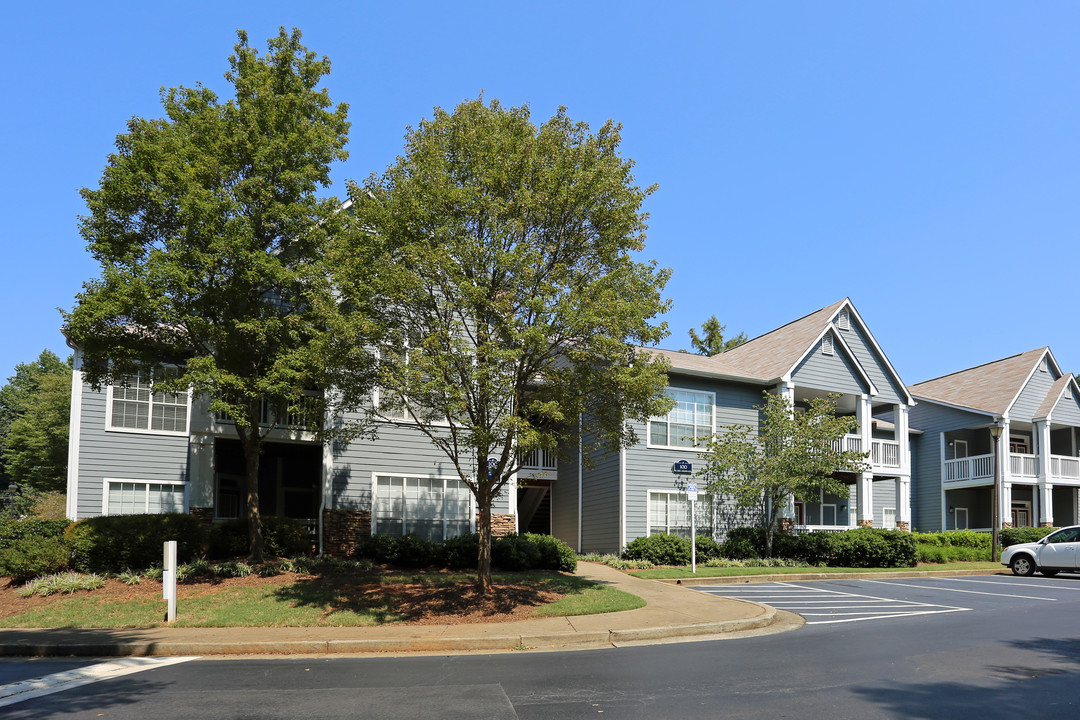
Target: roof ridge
976 367
778 329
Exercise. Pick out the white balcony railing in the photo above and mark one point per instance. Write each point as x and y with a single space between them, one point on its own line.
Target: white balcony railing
849 442
885 453
1064 467
1024 466
539 460
979 467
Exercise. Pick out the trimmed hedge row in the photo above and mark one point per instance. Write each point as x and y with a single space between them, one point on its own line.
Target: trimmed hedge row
1015 536
282 537
861 547
113 543
510 553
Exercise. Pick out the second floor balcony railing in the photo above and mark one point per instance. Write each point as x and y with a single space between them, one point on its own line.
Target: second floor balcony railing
1064 467
885 453
979 467
539 460
849 442
1023 465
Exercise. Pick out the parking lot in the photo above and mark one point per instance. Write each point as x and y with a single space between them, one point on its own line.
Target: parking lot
859 599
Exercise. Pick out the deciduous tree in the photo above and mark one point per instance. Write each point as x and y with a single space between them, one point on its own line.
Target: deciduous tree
211 240
521 304
34 424
789 454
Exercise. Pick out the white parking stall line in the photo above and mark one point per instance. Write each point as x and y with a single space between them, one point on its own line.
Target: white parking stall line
958 590
48 684
886 617
836 605
1004 583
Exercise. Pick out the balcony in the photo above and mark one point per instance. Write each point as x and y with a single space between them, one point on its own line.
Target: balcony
538 464
1023 465
848 442
1063 467
885 453
978 467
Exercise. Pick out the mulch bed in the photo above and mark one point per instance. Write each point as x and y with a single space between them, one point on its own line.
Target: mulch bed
417 604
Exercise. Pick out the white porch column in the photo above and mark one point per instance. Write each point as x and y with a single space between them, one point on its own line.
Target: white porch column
902 437
903 503
864 414
1005 505
1042 448
865 497
1046 504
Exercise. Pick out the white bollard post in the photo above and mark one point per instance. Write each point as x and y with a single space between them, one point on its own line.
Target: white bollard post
168 580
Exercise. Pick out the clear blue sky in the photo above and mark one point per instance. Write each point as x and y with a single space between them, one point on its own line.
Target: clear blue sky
922 158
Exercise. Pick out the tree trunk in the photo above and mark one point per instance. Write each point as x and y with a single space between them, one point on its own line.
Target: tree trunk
249 439
483 563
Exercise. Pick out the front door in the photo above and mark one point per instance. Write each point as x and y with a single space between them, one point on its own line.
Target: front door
961 522
1021 515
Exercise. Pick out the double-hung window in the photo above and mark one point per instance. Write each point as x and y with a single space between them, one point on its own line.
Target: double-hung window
433 508
669 512
134 404
137 497
690 421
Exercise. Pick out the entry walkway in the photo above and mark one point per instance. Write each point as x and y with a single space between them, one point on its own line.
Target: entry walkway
671 613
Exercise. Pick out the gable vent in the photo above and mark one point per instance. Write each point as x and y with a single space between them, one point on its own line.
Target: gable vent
1042 365
826 345
843 320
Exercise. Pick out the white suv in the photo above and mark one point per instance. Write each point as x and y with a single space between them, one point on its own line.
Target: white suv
1057 552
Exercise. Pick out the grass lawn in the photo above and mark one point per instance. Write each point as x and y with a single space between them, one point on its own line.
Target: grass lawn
682 572
333 599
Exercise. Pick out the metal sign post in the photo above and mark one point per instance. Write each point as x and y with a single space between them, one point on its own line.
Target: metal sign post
691 494
168 580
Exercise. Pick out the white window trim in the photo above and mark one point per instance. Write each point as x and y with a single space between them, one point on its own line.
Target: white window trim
414 476
884 523
409 419
648 506
956 448
835 514
147 431
956 514
648 424
139 481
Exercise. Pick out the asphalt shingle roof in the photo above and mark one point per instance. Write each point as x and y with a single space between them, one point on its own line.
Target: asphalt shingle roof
989 388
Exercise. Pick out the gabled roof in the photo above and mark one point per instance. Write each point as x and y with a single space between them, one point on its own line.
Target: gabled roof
991 388
1054 395
772 357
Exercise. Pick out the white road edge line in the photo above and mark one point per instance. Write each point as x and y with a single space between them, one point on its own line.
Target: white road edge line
970 592
46 685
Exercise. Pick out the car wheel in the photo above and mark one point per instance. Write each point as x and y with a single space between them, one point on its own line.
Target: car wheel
1049 573
1022 565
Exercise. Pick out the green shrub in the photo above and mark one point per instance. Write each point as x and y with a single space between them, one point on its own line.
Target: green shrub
413 551
954 538
12 531
514 552
706 547
872 547
737 549
378 548
659 549
554 553
282 537
929 553
113 543
462 551
1015 536
30 557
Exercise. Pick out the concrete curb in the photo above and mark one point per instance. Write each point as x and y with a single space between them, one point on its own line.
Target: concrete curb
780 577
490 643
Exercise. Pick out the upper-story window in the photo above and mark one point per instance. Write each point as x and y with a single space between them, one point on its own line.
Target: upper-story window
689 421
135 405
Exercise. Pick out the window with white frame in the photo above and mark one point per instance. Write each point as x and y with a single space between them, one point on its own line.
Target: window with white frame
888 518
137 497
135 405
689 421
433 508
669 512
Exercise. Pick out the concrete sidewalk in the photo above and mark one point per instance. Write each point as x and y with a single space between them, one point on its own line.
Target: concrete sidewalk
671 613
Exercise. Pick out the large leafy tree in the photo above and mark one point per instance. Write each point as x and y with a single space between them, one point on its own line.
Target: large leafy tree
711 341
211 240
34 407
790 454
521 305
